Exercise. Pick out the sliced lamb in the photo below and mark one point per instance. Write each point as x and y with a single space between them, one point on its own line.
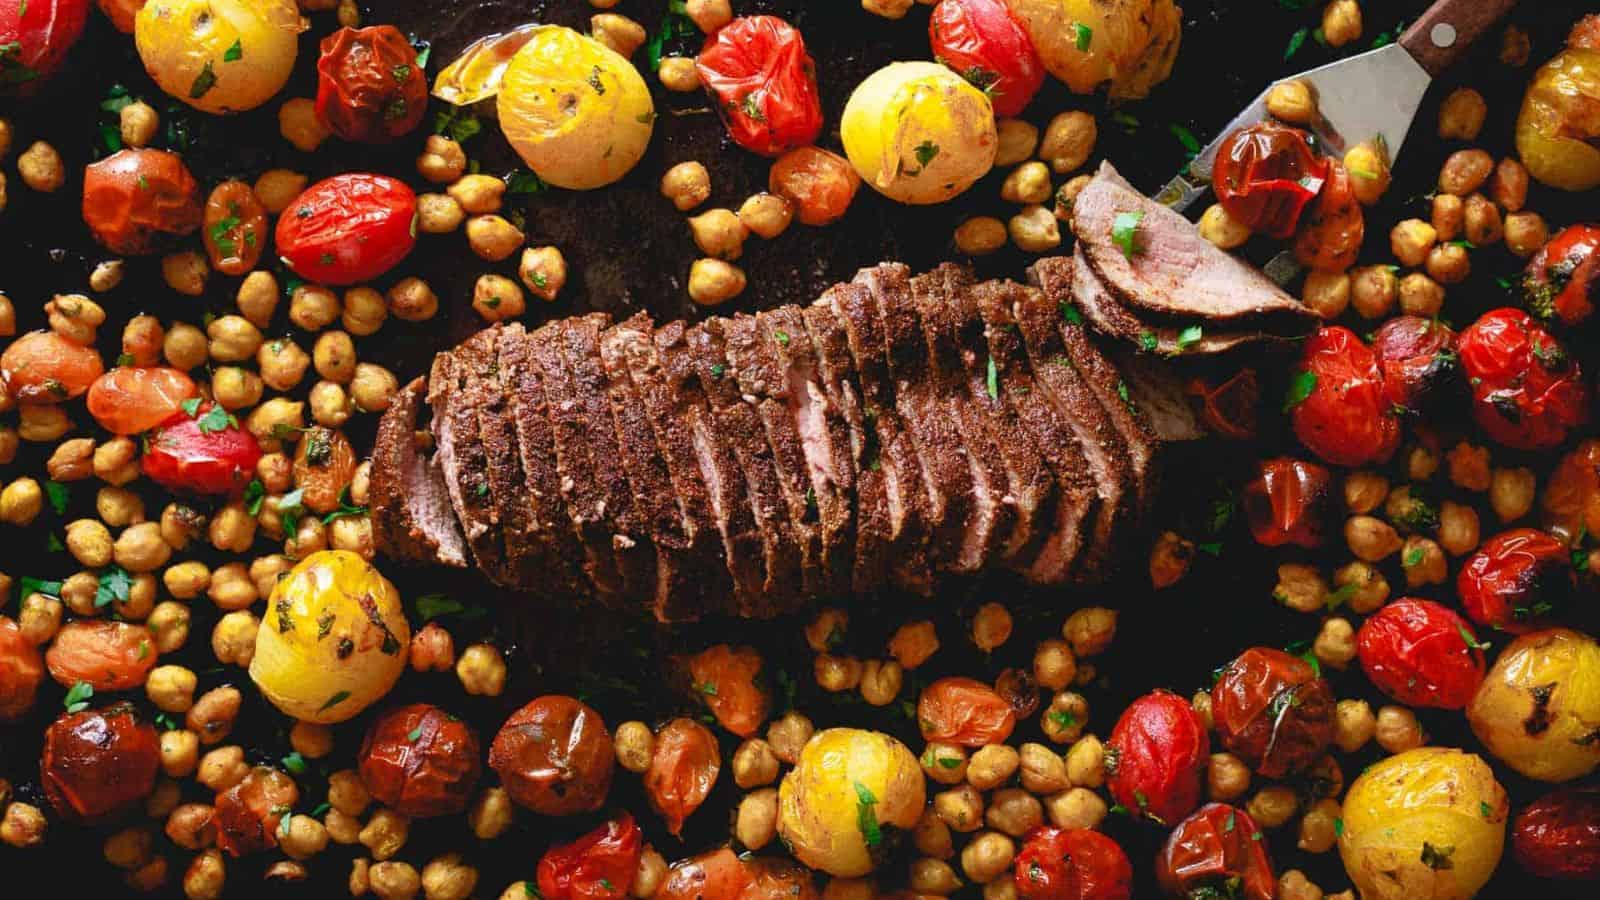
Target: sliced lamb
411 512
461 454
1158 393
497 430
1108 314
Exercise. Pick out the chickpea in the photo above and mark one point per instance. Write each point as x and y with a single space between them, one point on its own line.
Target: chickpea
233 640
1335 644
1363 586
827 630
1482 223
1508 187
1327 293
788 735
40 618
439 213
360 881
1068 141
755 823
1076 807
186 272
1448 216
1054 666
442 160
620 33
1065 718
75 317
299 125
334 353
180 752
1273 806
1465 171
394 880
944 763
70 460
992 766
448 878
310 536
1364 490
1067 195
1421 296
1043 770
478 194
718 233
10 441
1525 233
192 826
23 826
688 185
311 740
373 387
980 236
364 311
313 307
89 542
678 74
171 688
204 878
1027 184
41 168
1090 630
880 681
652 871
1086 762
1292 101
385 833
1458 528
304 838
1222 229
1370 539
129 848
282 363
1227 777
960 808
543 271
1034 230
836 674
231 530
1469 466
8 317
934 877
1300 587
1461 115
492 237
482 671
1318 830
180 524
1411 240
347 794
222 768
213 714
277 188
713 282
169 625
1397 730
766 215
491 815
991 626
21 501
1373 290
1448 263
1341 22
1511 492
234 388
634 743
709 15
42 424
265 572
342 829
931 836
184 346
987 856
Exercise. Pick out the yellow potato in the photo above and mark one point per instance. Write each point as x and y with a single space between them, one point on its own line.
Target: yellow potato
850 788
577 112
220 56
918 132
1426 824
1086 43
1538 710
1558 126
333 641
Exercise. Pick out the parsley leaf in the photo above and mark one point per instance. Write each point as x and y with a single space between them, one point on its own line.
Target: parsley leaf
114 586
1082 35
234 53
1296 41
1188 337
58 494
1300 387
993 382
205 81
867 816
1124 232
335 700
254 493
77 699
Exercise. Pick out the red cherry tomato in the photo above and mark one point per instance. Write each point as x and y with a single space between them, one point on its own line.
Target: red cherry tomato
1288 503
981 40
727 680
1265 175
121 12
21 671
1217 852
1571 500
1421 654
43 367
598 866
717 875
1337 401
201 450
140 201
1155 757
1558 835
964 711
1418 360
1562 280
1228 409
420 760
1527 391
128 400
369 86
1072 864
1330 233
1514 580
35 36
348 228
683 769
819 184
99 763
249 815
764 84
1272 710
105 654
554 756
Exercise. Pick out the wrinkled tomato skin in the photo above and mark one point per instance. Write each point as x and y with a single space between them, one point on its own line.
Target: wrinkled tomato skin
40 33
1562 280
773 878
43 367
1155 757
554 756
964 711
1265 175
21 671
981 41
140 201
1527 391
1208 849
98 764
1515 579
1272 710
105 654
1331 231
1418 359
717 875
420 761
726 679
683 769
182 456
1417 652
347 229
597 866
248 815
1288 502
1346 419
1571 500
128 400
1072 864
369 86
1558 835
820 185
763 83
235 235
1228 409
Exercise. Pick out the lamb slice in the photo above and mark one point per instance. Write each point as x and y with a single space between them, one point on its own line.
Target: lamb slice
904 482
1108 314
411 511
1158 392
1173 272
869 571
719 468
824 436
497 430
461 453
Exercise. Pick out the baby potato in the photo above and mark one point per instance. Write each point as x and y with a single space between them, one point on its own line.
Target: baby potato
577 112
1538 708
219 56
918 132
845 779
1086 43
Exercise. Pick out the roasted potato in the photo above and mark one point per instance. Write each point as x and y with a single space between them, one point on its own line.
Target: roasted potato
1538 710
847 791
1086 43
918 132
219 56
1558 129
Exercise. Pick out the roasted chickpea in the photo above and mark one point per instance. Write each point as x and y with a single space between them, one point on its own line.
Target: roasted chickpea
491 814
1043 770
213 714
432 648
713 282
634 744
1525 233
171 688
618 32
1300 588
1365 587
1090 630
331 405
1227 777
880 681
282 363
89 542
137 123
1511 492
313 307
1373 291
1411 240
233 640
438 213
235 388
1065 718
755 822
679 74
932 877
788 735
1469 466
347 794
21 501
1067 195
1027 184
1014 811
1370 539
231 587
1335 644
1273 806
688 185
1341 22
1034 230
478 194
442 160
304 837
1364 491
1461 115
991 626
980 235
342 829
1369 172
766 215
180 524
334 356
23 826
1397 730
1465 171
543 271
192 826
709 15
1319 826
960 807
1068 141
1222 229
1448 263
1508 187
1421 296
184 346
385 833
1017 141
718 233
41 168
311 740
42 424
1054 666
40 617
70 461
1482 224
186 272
232 530
482 671
836 674
1086 762
1448 216
1076 807
492 237
373 387
931 836
992 766
299 125
1458 528
393 880
74 317
987 856
1327 293
169 626
1292 101
222 768
277 188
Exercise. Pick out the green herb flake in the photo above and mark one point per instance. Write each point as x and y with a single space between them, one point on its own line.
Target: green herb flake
1191 144
335 700
254 493
1413 557
59 494
1082 35
294 764
993 381
1296 41
709 688
1124 232
234 53
217 419
1190 336
1437 857
413 734
205 81
1070 314
1300 387
926 152
1148 342
113 587
77 699
1467 638
866 815
1486 811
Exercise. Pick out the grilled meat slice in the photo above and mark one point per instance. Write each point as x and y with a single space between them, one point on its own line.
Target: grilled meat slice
411 511
1109 314
461 453
502 470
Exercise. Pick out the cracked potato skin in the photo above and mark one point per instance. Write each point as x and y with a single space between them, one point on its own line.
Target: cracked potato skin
1538 709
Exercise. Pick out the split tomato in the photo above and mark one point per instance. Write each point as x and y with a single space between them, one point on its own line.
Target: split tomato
128 400
554 756
1562 280
1273 711
1558 835
1421 653
1265 176
1288 502
1155 757
1330 233
1514 580
980 40
105 654
35 36
727 680
964 711
1217 852
1337 401
420 761
140 201
348 228
1527 390
597 866
369 86
683 769
1072 864
1418 360
44 367
201 449
764 84
97 764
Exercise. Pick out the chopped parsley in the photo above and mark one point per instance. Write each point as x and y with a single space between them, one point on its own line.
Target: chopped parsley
522 182
217 419
335 700
993 381
1124 232
1148 342
1082 35
926 152
254 493
413 734
1190 143
1296 41
1300 387
1190 336
1070 314
1437 858
113 587
58 494
204 82
294 763
234 53
1466 636
1413 557
867 816
708 688
77 699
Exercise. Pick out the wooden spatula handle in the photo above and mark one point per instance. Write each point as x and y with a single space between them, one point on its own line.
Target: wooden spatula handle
1448 28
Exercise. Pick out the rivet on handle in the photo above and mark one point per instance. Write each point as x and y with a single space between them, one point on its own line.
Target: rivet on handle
1443 35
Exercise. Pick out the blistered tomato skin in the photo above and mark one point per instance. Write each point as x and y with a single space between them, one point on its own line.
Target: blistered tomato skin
43 367
349 228
129 400
1562 280
1330 233
369 86
600 865
140 201
1288 502
98 764
764 84
1338 404
981 41
1265 176
1272 710
821 185
1072 864
249 814
1514 580
554 756
105 654
1418 359
420 761
727 680
964 711
1527 391
21 672
683 769
1421 653
1213 847
235 228
219 56
1155 757
1558 835
717 875
40 32
203 452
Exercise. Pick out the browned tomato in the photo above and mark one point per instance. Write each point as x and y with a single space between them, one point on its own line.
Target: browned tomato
1572 495
1421 653
420 760
104 654
1516 579
129 400
1337 401
369 86
964 711
44 367
21 671
1563 279
1273 711
1558 835
1155 756
554 756
98 763
683 769
717 875
235 228
1418 360
140 201
1329 239
1072 864
324 465
775 878
1217 852
249 815
1288 502
819 184
727 679
598 866
1527 391
1265 175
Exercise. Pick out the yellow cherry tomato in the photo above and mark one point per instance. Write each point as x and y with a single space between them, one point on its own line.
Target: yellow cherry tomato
918 132
575 110
1557 128
850 788
1426 824
476 74
333 641
1538 709
220 56
1131 44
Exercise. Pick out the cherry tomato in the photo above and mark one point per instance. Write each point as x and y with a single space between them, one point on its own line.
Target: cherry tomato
1155 757
1514 580
1558 835
1337 402
778 879
1331 231
964 711
980 40
236 228
249 814
121 12
35 36
1265 175
1217 852
324 465
1288 502
1418 360
1273 711
819 184
44 367
727 680
420 760
21 671
1562 280
717 875
128 400
683 769
369 86
201 449
99 763
764 84
554 756
1527 391
1572 494
598 866
140 201
1421 654
106 655
1072 864
1228 410
348 228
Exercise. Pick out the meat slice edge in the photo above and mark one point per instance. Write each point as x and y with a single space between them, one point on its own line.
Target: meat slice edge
411 511
462 458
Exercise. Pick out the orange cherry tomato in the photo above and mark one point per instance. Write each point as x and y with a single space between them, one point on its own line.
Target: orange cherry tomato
128 400
726 679
718 875
682 770
773 878
235 228
44 367
1265 176
106 655
139 201
21 671
819 184
98 763
964 711
249 815
554 756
